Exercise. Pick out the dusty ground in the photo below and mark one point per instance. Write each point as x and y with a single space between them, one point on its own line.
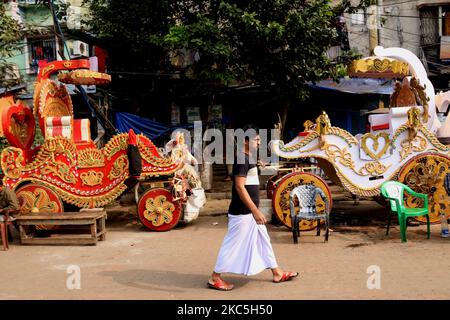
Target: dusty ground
134 263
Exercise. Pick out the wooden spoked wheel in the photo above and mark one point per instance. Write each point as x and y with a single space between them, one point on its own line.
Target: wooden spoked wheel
280 200
36 198
157 210
425 174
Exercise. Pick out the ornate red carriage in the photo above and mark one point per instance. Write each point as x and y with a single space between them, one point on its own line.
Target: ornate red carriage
68 167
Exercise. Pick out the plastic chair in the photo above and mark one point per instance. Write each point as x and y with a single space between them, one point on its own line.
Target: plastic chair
394 191
306 195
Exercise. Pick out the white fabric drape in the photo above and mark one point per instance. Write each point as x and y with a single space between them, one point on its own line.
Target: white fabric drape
246 248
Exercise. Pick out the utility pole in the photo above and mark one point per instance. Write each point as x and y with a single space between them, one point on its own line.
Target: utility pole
379 7
372 25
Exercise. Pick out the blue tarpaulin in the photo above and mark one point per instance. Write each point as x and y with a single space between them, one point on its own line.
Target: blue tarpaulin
357 85
152 129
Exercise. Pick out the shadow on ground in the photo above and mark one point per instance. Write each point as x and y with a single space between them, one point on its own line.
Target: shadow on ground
166 281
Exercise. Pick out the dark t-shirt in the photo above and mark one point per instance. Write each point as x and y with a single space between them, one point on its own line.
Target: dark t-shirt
250 171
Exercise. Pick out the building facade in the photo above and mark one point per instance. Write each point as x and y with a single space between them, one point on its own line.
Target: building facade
40 44
420 26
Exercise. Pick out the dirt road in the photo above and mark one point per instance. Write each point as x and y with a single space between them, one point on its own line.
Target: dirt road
134 263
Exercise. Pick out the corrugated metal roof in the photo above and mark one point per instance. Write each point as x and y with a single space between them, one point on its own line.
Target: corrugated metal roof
357 85
12 89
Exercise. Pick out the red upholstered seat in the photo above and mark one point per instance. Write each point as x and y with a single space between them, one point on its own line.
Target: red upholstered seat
81 131
78 130
58 127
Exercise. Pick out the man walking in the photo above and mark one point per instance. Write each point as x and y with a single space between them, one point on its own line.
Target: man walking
246 248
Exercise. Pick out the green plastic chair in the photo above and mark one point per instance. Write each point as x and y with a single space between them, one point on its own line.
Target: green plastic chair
393 191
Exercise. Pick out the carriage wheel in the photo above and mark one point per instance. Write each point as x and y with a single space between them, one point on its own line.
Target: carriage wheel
280 200
157 210
35 197
272 183
425 174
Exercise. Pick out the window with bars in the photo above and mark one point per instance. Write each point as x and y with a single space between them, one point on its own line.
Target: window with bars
429 26
41 49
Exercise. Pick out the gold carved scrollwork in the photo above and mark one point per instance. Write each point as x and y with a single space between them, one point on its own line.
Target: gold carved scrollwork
421 97
39 199
347 136
91 201
372 153
91 178
119 166
418 144
371 65
434 140
50 148
60 170
308 125
323 126
373 169
413 122
11 162
91 158
48 69
54 100
426 174
334 154
158 210
117 143
300 144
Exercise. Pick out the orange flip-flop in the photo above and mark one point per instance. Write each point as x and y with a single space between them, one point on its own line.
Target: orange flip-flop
286 276
220 284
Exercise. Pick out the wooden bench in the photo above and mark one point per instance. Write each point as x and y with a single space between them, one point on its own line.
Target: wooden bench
94 219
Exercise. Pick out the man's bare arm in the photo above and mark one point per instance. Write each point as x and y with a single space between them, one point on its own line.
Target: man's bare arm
239 183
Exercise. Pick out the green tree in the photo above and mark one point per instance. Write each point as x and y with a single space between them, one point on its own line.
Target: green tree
128 30
277 44
11 33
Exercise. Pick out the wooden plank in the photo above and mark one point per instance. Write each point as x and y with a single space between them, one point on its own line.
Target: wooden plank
72 236
55 219
101 235
62 216
65 214
94 232
68 239
76 241
102 229
22 232
67 236
55 222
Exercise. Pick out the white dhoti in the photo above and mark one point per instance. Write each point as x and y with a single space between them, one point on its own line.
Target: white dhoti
246 248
